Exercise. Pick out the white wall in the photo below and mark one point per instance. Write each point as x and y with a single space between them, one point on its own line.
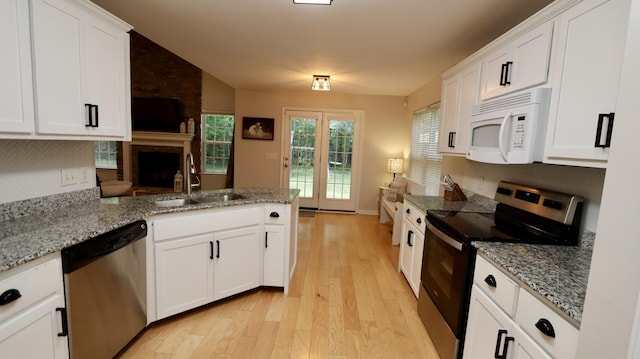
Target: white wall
30 169
386 135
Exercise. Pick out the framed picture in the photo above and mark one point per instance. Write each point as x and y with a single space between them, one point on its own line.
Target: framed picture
257 128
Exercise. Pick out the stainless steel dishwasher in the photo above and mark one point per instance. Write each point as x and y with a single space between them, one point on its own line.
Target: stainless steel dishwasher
105 291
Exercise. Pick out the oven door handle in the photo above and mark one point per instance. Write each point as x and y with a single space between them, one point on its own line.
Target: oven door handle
445 238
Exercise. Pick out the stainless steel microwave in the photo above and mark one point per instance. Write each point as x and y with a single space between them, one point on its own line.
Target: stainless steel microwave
510 129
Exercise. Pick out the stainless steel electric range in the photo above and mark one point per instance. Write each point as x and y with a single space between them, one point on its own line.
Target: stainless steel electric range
523 215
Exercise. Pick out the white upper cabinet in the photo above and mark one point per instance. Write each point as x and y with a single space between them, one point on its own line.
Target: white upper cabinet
16 89
81 71
459 94
522 63
587 62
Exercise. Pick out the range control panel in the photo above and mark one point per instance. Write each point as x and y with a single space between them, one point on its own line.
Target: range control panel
560 207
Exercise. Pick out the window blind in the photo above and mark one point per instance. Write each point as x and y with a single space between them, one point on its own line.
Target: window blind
424 160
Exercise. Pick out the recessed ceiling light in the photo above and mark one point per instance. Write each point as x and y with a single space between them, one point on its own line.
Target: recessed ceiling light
314 2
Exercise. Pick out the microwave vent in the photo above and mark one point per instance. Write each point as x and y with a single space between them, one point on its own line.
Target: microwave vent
508 102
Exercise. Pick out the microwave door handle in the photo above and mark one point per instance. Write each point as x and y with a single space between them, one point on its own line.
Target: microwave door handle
503 127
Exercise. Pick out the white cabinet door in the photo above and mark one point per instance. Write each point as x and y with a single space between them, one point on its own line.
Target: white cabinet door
16 88
274 270
33 333
107 77
406 248
484 326
81 70
521 64
184 274
237 261
588 60
57 40
416 262
459 94
524 347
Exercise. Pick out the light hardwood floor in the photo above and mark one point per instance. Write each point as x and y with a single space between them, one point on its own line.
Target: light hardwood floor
346 300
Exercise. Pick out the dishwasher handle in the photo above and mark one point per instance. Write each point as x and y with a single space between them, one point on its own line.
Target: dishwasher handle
81 254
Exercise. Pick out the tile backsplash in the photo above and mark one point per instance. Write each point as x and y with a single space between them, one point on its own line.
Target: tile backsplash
30 168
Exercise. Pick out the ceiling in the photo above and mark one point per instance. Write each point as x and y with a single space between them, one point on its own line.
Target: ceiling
373 47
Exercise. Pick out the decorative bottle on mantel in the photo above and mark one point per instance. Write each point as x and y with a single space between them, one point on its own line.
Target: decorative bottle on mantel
177 182
191 126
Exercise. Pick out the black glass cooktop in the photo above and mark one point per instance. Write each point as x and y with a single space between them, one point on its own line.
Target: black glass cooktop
468 226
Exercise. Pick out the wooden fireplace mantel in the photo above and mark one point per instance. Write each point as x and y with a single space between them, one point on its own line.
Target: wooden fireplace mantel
148 138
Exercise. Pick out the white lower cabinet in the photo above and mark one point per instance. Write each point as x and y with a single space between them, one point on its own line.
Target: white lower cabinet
508 322
236 261
31 324
202 256
184 274
412 245
491 333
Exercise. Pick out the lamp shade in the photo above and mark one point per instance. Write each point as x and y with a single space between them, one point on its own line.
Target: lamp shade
395 165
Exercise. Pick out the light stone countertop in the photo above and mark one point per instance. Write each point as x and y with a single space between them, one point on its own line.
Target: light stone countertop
34 228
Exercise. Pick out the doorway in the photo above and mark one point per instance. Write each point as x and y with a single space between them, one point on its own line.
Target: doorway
322 158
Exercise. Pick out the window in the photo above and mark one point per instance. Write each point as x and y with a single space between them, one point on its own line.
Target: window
424 160
216 142
105 154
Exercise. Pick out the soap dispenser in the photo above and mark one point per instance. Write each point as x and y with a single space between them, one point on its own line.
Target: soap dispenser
177 182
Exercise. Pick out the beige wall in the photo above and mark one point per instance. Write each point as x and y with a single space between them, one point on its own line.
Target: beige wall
217 97
386 134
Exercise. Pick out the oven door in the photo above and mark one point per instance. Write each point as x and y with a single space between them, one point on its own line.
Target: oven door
447 267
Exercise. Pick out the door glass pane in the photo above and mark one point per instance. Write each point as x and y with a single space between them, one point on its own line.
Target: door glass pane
303 139
339 156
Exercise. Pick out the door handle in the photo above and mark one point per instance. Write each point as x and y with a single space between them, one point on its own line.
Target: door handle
505 348
218 245
601 117
266 240
65 325
211 244
409 238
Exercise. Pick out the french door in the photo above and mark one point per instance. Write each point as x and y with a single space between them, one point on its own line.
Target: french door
322 158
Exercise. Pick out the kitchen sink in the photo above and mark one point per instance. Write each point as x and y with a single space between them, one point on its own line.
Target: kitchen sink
210 198
175 202
219 197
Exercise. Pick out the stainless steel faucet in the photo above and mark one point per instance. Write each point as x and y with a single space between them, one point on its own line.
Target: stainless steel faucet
191 171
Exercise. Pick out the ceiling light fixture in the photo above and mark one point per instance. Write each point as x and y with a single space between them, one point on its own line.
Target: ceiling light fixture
321 83
313 2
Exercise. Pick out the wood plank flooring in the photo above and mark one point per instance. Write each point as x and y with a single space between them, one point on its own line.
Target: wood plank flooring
346 300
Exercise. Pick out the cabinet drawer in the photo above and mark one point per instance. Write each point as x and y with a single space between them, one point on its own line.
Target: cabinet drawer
415 216
505 291
530 311
204 221
274 214
34 284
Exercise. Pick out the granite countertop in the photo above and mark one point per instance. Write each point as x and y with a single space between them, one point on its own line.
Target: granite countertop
31 236
557 274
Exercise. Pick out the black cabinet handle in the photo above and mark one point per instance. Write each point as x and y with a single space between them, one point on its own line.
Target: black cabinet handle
419 220
408 211
507 80
274 215
452 136
9 296
218 245
491 281
607 142
546 327
507 339
266 240
502 73
92 115
211 255
409 238
65 325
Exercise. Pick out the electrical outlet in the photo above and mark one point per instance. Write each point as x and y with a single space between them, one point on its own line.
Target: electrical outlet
68 176
84 175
